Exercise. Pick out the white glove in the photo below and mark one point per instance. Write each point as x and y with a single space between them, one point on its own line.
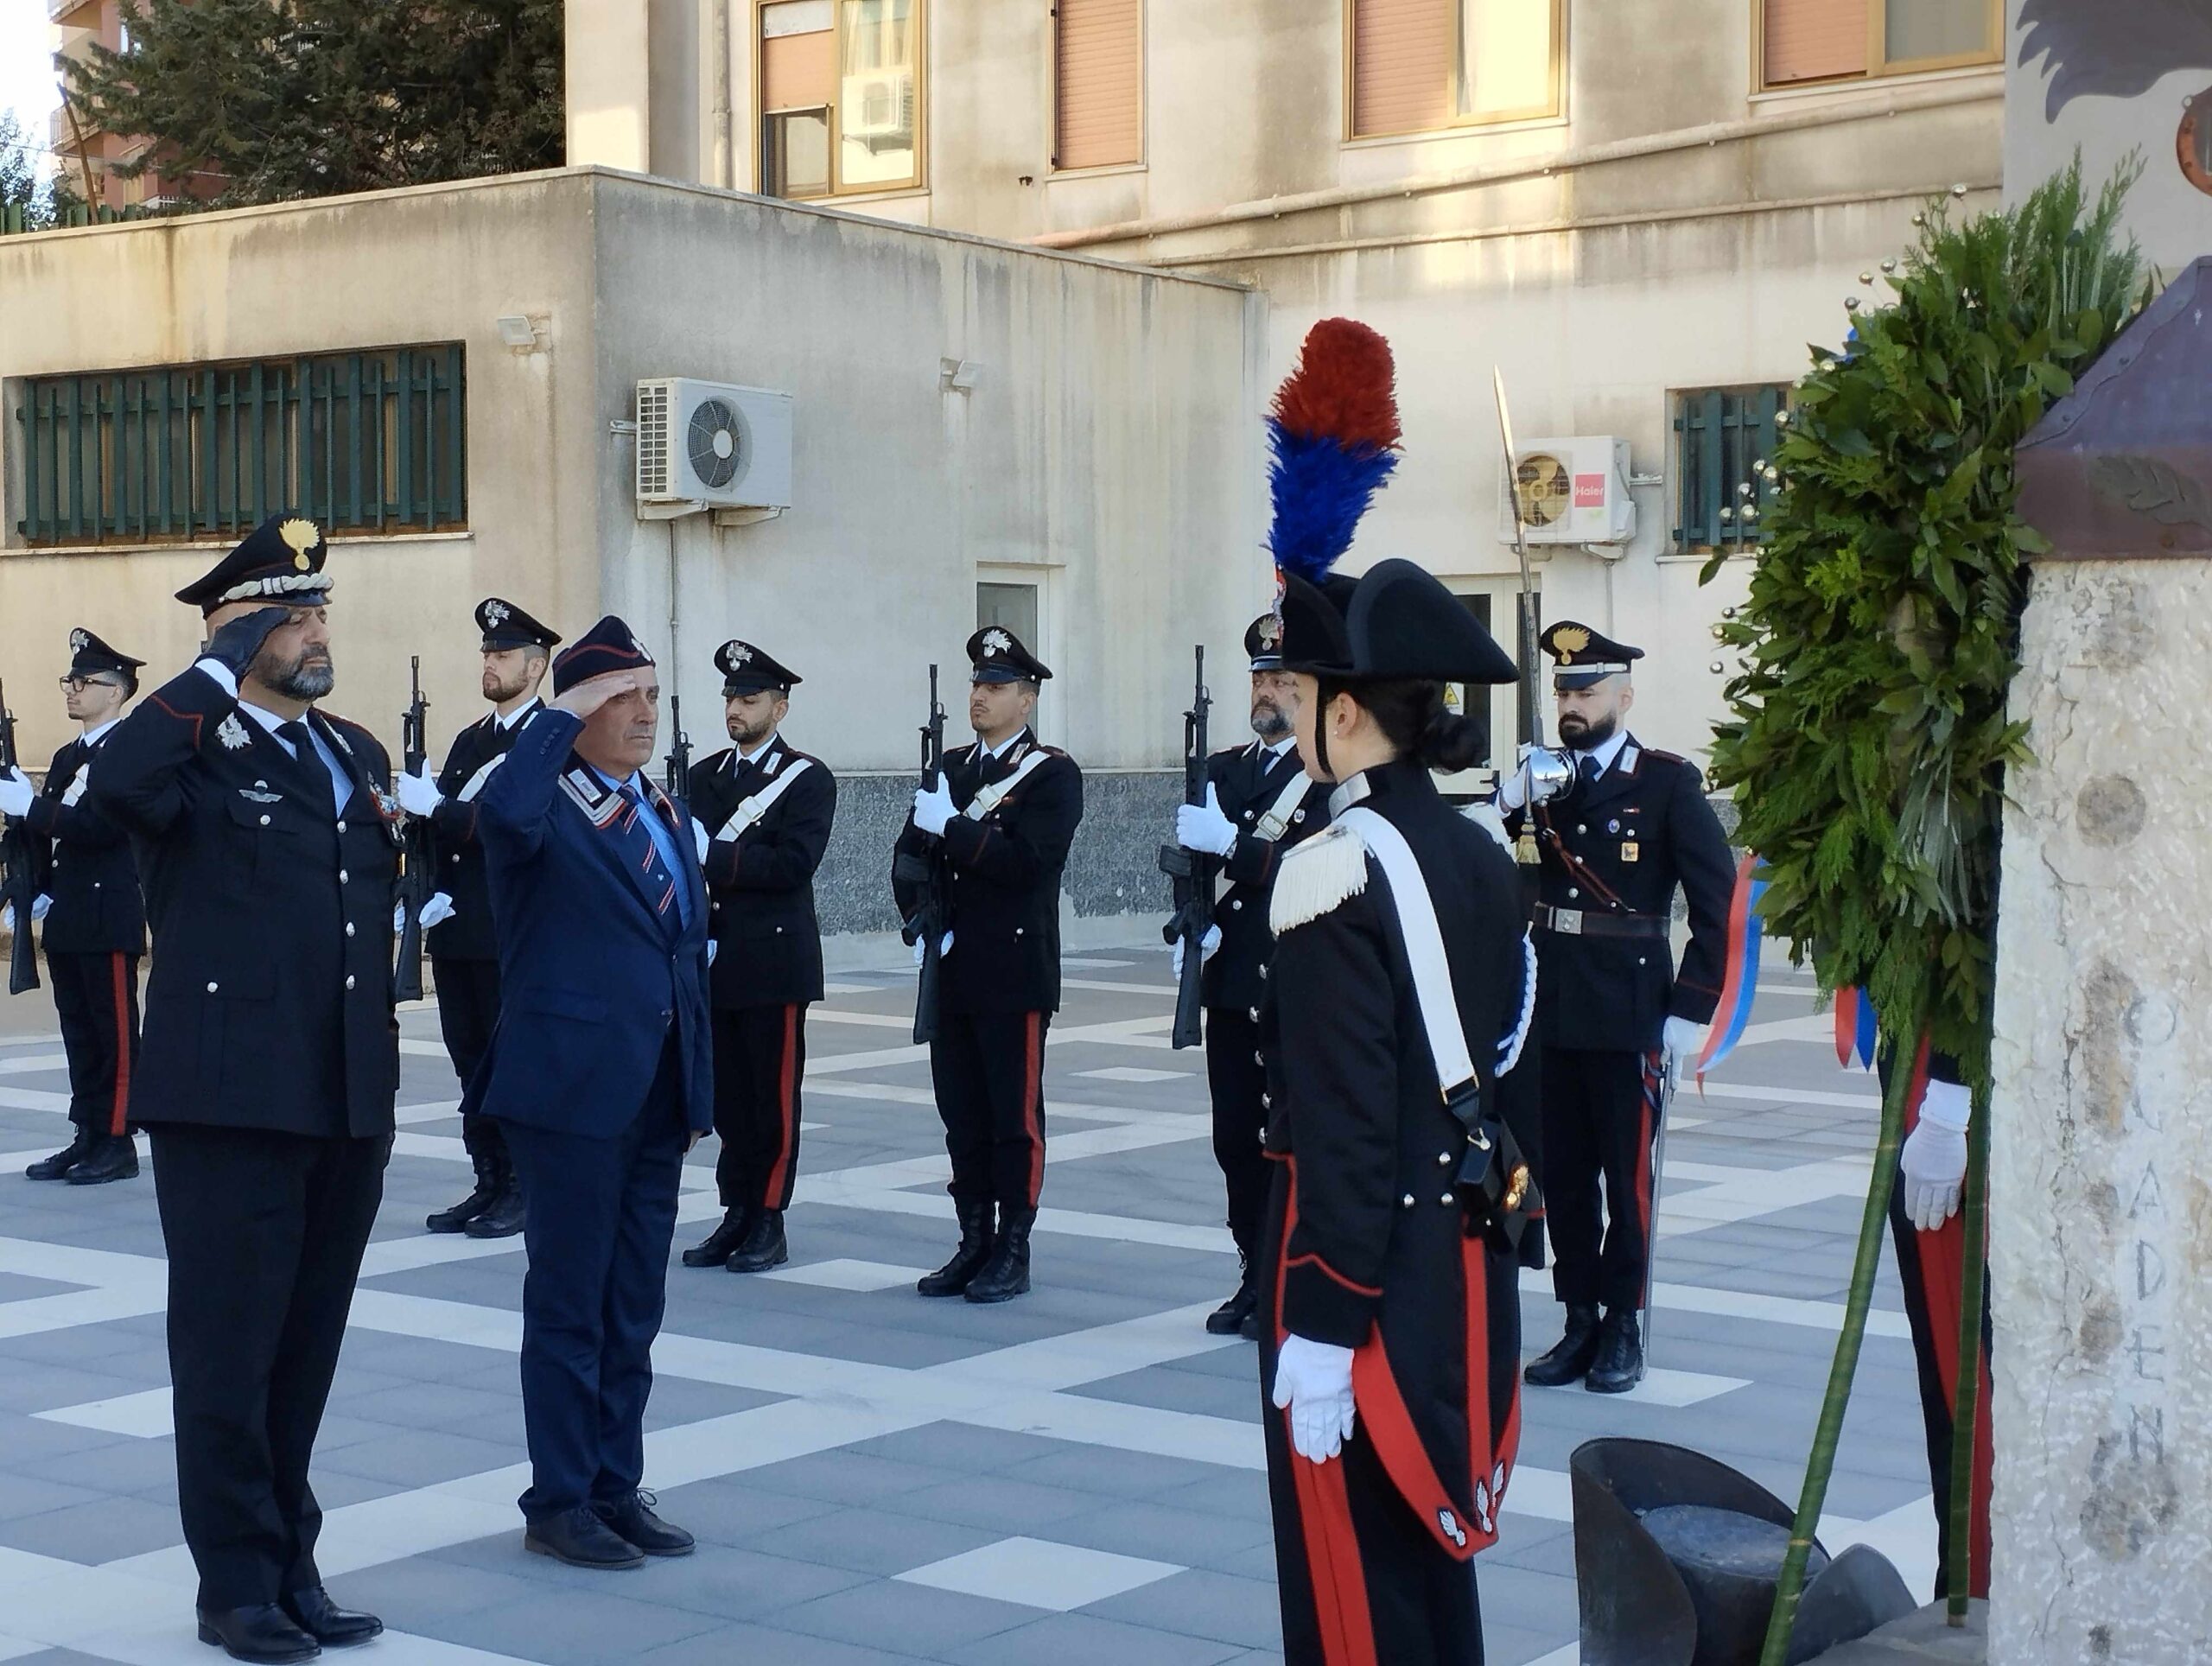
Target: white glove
39 907
1207 945
16 792
1682 1039
437 911
933 807
418 795
398 918
699 839
1934 1160
944 947
1204 827
1512 788
711 946
1314 1384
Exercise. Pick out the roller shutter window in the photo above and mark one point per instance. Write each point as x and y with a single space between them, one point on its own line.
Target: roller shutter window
1815 40
1400 66
799 77
1097 85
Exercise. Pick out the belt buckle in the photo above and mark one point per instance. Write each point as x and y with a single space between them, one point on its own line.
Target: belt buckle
1567 921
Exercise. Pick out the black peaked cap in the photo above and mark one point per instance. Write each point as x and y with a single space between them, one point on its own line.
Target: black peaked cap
747 670
1395 620
279 562
90 657
506 625
997 655
609 645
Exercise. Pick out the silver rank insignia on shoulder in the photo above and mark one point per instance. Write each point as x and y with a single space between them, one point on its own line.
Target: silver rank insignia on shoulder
232 733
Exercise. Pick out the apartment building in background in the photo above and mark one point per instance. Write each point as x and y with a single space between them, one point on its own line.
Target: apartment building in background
1640 213
80 148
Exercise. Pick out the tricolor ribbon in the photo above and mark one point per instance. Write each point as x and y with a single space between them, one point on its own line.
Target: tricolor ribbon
1854 1028
1742 978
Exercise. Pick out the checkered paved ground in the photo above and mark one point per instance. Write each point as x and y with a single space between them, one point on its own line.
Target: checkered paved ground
1074 1476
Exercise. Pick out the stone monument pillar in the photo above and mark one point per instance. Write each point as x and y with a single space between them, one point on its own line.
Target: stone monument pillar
2101 1178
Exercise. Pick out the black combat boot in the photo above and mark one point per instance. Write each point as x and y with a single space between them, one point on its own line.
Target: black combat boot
1228 1319
112 1157
1619 1364
57 1166
458 1216
764 1246
1571 1355
714 1248
976 1240
1005 1275
502 1217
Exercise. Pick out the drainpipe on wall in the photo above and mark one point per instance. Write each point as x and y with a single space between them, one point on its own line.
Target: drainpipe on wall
725 159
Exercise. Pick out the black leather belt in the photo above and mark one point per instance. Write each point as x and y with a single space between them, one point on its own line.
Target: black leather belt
1581 922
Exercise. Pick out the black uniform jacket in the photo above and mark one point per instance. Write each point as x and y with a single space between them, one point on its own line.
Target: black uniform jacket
1248 784
269 1004
1006 879
1617 847
1373 1255
768 944
468 934
83 862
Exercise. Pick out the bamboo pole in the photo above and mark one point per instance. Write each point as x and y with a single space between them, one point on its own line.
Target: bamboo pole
1894 1092
1966 1406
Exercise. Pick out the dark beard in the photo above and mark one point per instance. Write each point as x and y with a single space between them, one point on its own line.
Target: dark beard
309 677
1592 736
1269 723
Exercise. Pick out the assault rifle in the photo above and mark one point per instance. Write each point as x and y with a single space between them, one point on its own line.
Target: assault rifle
21 886
679 752
418 864
1193 874
926 869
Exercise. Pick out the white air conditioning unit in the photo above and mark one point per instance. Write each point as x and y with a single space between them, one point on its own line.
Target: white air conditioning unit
708 445
1571 492
879 105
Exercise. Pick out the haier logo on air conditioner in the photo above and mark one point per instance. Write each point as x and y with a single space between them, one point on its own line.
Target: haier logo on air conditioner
712 445
1570 492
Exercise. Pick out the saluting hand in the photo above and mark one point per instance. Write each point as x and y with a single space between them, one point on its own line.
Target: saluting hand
588 695
238 643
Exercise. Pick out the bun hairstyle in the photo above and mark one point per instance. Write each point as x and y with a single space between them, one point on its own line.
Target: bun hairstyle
1412 717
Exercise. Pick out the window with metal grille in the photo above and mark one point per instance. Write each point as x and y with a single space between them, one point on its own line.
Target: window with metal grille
1724 437
364 442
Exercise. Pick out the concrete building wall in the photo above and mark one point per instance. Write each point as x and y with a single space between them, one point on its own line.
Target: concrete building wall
1109 449
1601 284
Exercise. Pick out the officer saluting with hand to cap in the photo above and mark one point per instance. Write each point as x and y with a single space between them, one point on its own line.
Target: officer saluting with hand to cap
268 1066
464 949
1634 825
768 808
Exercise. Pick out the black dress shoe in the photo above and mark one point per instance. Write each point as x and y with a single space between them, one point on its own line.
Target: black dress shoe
714 1248
1228 1319
633 1519
502 1217
1005 1275
1570 1357
580 1538
1619 1364
263 1632
327 1623
976 1240
1249 1328
764 1246
113 1157
454 1220
57 1166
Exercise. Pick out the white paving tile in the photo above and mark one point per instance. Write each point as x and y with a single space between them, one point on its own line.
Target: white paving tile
1091 963
149 1415
1038 1574
1135 1073
845 1273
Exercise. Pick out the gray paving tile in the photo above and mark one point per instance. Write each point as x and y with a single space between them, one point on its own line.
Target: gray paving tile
94 1532
575 1627
1004 1505
1203 1604
1082 1639
875 1541
727 1644
911 1616
734 1584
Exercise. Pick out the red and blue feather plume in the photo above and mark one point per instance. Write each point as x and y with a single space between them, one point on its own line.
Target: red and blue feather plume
1333 436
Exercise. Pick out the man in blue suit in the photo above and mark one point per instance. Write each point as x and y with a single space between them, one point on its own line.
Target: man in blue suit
600 1076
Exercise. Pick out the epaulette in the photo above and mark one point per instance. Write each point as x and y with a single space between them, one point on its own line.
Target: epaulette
1665 757
1316 875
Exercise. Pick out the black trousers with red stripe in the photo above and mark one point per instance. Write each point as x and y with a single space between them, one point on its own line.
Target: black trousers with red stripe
1931 1267
1596 1125
468 1011
1237 1080
96 998
989 1071
759 1061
